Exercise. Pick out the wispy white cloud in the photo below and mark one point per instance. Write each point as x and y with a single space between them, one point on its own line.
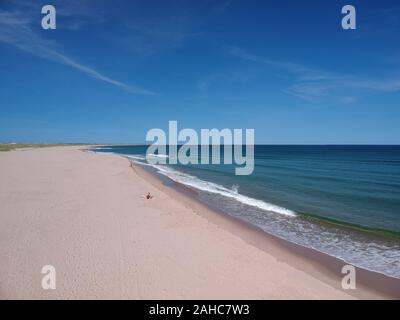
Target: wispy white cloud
313 84
16 30
302 71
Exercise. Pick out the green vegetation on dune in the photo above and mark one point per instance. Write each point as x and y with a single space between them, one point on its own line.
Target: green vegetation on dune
8 147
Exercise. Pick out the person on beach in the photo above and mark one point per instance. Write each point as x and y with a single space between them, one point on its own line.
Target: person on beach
149 196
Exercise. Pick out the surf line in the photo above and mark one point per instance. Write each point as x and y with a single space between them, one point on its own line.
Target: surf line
188 140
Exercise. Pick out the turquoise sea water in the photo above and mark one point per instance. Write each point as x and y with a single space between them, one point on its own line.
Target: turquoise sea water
341 200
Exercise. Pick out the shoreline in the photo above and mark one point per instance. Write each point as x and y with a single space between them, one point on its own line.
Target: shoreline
327 268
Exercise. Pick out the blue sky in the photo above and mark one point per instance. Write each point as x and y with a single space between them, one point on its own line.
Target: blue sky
112 70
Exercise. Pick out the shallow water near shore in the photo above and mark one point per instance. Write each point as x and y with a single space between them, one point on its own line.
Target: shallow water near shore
340 200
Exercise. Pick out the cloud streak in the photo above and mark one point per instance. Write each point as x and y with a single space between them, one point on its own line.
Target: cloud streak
312 84
16 30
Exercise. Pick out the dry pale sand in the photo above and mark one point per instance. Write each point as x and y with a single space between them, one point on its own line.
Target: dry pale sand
86 215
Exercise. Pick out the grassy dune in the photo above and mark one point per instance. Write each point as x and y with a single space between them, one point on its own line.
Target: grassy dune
8 147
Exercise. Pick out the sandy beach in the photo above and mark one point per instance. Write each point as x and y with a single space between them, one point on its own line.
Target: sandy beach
86 214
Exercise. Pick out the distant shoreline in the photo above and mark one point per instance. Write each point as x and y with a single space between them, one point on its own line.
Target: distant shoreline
15 146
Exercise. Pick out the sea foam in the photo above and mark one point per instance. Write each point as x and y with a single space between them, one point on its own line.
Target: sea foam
212 187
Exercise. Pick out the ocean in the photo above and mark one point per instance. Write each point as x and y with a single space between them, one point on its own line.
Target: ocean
340 200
